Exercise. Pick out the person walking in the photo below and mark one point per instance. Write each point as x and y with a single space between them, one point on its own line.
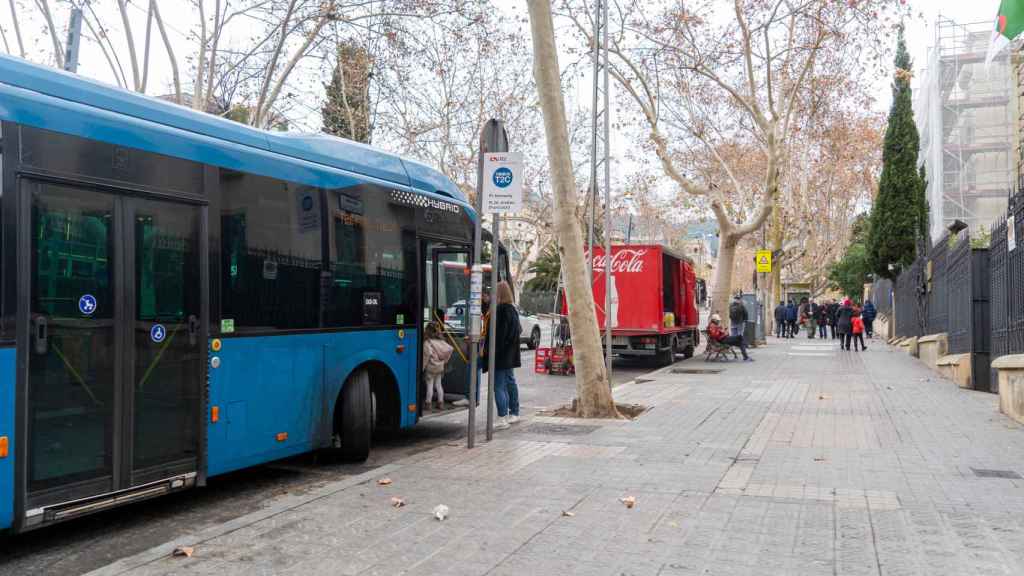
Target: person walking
780 320
857 327
506 357
436 353
821 319
833 317
737 316
844 324
716 333
791 318
802 313
869 313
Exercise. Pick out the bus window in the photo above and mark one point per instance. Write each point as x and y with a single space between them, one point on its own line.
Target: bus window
372 259
270 253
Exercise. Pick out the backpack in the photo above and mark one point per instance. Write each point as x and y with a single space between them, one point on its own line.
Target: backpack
736 310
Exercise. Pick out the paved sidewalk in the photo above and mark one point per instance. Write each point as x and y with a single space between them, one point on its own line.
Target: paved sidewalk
808 461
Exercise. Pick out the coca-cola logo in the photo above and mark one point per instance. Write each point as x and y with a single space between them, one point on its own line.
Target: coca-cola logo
625 260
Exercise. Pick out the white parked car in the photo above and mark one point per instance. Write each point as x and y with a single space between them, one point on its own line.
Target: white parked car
530 333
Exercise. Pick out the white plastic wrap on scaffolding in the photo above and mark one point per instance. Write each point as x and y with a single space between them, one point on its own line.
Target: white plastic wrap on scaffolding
967 117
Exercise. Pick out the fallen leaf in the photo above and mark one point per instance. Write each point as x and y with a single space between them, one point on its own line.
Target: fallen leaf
397 502
185 551
819 459
674 524
440 511
384 482
567 513
629 501
823 397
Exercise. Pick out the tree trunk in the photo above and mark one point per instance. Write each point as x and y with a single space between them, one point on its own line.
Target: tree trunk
777 234
721 296
593 393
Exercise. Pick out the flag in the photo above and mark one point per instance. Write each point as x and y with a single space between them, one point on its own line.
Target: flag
1008 25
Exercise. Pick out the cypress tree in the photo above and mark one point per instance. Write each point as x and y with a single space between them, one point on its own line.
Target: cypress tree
899 218
346 113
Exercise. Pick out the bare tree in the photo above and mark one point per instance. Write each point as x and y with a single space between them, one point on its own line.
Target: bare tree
699 84
593 392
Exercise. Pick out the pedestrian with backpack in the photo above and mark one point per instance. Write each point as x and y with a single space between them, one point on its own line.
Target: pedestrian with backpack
791 318
436 353
737 316
869 313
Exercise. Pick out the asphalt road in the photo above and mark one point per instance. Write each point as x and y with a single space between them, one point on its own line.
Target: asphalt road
88 543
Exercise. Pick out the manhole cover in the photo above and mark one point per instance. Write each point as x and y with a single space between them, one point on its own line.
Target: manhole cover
558 429
1007 474
697 370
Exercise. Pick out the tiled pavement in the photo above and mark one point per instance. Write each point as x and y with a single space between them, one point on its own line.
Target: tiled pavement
808 461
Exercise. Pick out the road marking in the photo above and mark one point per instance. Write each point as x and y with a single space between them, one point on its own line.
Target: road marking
818 354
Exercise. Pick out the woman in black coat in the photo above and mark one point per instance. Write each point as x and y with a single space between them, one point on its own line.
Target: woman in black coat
506 358
844 324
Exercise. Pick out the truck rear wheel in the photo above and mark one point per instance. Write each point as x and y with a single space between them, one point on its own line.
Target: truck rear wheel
665 357
353 418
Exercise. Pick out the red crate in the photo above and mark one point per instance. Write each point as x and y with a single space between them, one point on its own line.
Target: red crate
540 360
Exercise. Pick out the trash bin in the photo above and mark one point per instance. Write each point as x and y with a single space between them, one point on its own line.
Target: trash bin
753 332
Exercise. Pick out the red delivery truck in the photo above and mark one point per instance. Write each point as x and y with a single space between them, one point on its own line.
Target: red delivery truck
653 301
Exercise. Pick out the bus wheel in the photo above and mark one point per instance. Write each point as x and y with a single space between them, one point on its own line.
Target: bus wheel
688 351
353 418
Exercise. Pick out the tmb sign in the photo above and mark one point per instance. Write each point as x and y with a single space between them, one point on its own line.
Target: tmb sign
503 182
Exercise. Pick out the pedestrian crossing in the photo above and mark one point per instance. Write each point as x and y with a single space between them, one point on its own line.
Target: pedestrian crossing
813 349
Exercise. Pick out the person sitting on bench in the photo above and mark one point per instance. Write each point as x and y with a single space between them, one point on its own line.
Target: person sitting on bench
716 333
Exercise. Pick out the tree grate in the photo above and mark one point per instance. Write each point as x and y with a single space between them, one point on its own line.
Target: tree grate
697 370
544 428
1007 474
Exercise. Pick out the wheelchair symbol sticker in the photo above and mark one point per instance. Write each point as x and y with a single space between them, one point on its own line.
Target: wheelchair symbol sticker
87 304
157 333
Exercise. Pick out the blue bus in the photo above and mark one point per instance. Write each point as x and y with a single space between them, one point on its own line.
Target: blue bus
182 296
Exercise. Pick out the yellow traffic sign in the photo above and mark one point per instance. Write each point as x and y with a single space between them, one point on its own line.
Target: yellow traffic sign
764 261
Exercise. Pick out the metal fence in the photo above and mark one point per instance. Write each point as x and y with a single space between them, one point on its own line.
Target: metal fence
936 301
909 306
947 291
882 295
1007 283
969 325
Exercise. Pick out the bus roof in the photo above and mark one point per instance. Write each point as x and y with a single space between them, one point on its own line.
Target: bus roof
68 92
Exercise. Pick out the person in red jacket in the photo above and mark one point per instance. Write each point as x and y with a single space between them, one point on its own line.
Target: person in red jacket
857 324
716 333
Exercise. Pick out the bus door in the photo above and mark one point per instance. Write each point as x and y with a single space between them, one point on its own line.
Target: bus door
447 304
116 359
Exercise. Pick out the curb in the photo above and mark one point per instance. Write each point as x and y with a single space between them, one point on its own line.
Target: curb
284 505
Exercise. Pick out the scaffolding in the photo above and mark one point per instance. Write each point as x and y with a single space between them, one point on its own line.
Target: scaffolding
967 118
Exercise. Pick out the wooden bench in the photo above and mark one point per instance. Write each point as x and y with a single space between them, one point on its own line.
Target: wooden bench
715 350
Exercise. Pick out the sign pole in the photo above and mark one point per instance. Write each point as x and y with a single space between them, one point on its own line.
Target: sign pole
493 138
492 326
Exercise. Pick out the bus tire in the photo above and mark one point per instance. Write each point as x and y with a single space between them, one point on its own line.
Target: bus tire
353 418
688 351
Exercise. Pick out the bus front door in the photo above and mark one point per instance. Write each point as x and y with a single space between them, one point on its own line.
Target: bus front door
447 305
112 393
